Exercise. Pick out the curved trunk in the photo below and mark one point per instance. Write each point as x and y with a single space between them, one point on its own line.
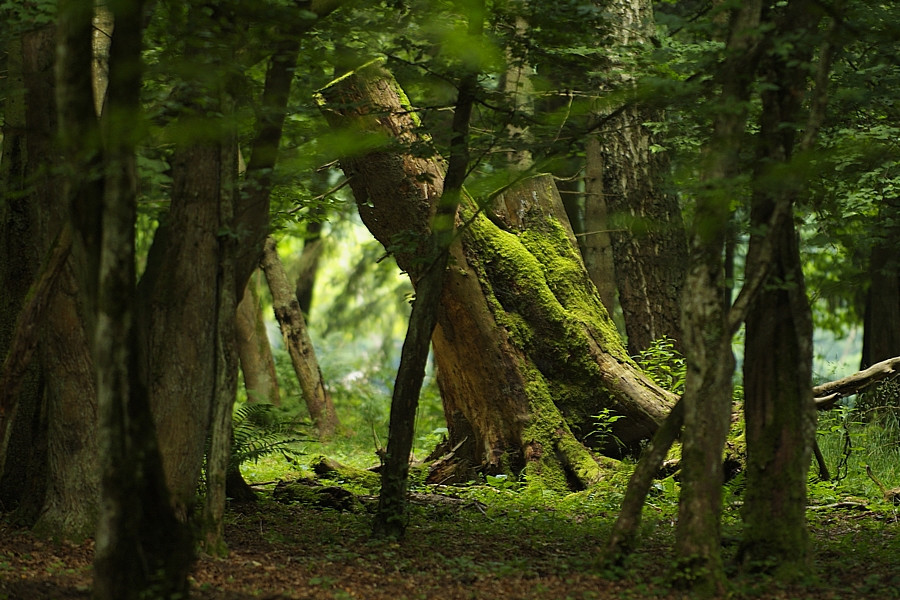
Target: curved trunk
525 352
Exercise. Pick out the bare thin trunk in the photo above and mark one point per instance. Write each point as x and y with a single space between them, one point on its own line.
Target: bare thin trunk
298 343
257 363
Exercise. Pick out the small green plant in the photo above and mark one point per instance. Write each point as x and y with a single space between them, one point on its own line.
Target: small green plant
258 431
602 433
664 365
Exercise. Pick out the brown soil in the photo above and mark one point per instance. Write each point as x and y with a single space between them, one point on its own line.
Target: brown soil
280 552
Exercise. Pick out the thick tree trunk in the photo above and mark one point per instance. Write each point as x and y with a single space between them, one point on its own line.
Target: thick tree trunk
20 254
778 406
550 358
649 245
178 299
298 344
60 491
647 233
254 351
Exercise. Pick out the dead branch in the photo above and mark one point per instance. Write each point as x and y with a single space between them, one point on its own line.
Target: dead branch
827 394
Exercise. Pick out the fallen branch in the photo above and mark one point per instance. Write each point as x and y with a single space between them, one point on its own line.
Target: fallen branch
827 394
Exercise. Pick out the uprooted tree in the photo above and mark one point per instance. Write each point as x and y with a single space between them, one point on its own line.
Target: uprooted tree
526 354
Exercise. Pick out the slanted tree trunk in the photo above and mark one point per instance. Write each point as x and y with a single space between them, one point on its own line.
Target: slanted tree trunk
547 356
778 406
390 517
298 344
257 363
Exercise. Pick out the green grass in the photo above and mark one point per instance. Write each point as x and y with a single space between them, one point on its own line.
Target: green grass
848 445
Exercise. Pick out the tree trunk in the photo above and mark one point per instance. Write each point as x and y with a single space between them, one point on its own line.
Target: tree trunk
881 324
309 264
141 548
257 363
707 327
218 455
59 490
390 517
649 246
778 406
25 132
178 299
550 358
596 245
298 343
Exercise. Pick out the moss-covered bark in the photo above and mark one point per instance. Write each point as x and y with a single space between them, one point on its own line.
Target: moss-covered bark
525 351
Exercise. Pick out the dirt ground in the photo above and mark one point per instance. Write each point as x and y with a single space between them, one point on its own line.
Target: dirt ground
298 552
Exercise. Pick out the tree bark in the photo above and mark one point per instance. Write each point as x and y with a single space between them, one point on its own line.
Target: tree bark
881 322
141 547
60 493
390 517
779 411
298 344
254 351
649 246
550 357
309 265
218 455
707 326
596 245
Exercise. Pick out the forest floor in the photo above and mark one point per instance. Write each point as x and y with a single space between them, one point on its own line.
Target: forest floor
466 550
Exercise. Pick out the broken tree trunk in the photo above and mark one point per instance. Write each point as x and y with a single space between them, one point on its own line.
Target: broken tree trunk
526 354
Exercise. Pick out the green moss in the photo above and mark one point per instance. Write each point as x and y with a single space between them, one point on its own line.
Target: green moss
539 292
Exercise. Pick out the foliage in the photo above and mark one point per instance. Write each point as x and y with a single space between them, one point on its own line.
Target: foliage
258 432
880 402
849 444
602 433
664 365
